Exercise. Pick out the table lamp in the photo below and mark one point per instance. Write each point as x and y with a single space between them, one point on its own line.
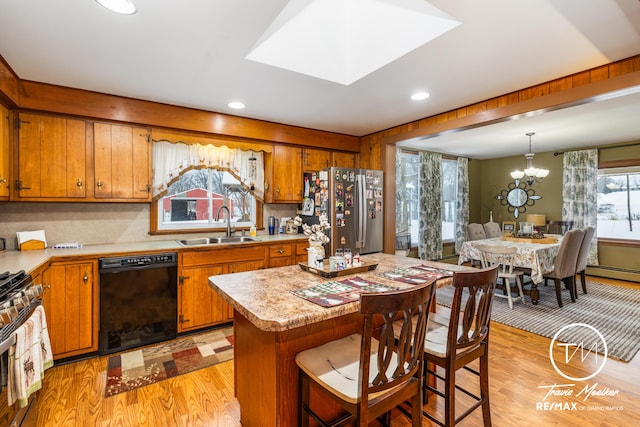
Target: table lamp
538 221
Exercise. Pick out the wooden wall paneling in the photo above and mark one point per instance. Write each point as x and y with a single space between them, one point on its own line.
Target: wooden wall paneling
76 102
8 84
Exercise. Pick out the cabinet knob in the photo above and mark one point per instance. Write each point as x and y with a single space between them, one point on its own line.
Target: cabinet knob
85 278
99 183
79 183
2 181
280 251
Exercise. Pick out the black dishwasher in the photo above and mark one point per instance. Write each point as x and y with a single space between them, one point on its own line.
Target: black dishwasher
138 301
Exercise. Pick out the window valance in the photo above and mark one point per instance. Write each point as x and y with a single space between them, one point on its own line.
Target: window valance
170 159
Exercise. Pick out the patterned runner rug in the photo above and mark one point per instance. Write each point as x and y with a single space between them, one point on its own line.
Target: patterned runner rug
148 365
613 310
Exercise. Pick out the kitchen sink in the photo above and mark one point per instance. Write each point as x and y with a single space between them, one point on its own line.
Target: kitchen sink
216 240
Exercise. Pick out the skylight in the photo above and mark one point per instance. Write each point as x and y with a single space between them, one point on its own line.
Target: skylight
345 40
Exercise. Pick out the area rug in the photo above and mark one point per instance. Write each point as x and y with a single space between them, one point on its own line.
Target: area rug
148 365
613 310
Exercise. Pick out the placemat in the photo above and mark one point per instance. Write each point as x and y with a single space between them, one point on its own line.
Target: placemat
416 275
333 293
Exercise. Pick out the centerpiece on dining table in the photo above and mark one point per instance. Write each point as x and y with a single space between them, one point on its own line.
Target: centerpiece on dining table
528 233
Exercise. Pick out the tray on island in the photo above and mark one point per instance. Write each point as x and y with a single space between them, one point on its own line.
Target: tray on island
324 272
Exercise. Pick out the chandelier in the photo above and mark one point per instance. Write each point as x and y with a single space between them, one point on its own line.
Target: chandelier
531 174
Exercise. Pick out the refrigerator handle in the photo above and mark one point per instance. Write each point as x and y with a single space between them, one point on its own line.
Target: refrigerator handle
362 211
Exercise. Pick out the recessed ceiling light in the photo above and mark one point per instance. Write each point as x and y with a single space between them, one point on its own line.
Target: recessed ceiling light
123 7
236 105
419 96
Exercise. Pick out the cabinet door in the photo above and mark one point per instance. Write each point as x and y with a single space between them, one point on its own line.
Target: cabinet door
70 303
51 157
199 305
287 174
122 162
4 153
315 160
344 160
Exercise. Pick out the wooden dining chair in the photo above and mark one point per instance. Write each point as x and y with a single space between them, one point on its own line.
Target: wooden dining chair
583 256
564 265
465 338
368 377
503 257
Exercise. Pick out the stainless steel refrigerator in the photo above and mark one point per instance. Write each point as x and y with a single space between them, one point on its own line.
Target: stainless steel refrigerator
352 201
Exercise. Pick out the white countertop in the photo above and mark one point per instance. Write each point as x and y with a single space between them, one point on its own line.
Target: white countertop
14 260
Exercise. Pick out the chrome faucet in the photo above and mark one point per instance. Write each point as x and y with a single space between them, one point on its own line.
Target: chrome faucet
228 218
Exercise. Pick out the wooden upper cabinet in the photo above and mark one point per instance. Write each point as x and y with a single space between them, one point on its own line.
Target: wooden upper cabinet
122 162
5 179
315 160
51 158
343 160
287 174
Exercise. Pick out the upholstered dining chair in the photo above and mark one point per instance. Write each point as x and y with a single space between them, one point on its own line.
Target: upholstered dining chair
564 266
583 256
367 376
504 257
492 229
475 231
465 338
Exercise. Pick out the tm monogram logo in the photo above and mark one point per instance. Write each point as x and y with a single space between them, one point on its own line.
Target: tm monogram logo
586 341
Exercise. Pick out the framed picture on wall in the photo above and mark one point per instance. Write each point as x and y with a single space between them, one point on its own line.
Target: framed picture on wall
508 227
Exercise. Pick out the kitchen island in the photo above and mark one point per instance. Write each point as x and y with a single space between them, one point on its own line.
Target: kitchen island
272 325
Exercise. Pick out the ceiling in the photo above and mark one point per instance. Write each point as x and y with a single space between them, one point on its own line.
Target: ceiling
192 54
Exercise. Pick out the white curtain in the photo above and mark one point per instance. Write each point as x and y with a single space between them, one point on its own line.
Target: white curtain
171 159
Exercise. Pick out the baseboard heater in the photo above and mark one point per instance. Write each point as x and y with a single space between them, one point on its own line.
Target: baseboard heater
616 272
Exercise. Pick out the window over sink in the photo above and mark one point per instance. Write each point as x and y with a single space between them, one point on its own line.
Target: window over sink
193 200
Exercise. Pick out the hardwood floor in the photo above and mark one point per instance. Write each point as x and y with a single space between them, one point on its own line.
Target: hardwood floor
73 394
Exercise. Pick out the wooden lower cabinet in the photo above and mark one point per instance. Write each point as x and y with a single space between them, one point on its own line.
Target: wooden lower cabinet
70 302
280 255
301 252
199 305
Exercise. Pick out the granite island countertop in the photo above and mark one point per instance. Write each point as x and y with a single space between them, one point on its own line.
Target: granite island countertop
264 296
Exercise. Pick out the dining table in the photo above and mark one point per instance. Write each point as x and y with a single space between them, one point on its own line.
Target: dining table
537 258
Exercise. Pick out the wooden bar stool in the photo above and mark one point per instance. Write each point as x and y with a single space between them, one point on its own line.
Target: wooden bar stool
369 377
